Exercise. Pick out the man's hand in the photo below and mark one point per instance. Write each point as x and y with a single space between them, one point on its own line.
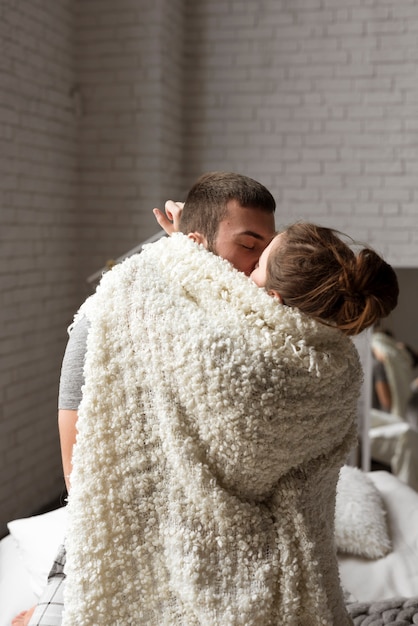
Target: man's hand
169 221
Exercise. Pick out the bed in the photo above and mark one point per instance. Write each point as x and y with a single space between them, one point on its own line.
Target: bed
376 514
26 556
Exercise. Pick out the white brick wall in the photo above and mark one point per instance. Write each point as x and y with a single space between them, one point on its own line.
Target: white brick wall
109 107
38 244
91 131
129 58
318 101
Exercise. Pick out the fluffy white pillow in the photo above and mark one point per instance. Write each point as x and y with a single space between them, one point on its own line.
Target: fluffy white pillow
38 539
360 516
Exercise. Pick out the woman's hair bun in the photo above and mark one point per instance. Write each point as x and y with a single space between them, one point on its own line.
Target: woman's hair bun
315 270
372 292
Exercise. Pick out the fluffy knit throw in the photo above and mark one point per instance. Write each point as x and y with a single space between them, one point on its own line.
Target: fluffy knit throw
213 425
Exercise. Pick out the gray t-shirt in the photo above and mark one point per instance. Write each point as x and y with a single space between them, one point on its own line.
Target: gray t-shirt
72 370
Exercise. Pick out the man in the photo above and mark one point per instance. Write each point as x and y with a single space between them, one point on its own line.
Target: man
237 224
233 217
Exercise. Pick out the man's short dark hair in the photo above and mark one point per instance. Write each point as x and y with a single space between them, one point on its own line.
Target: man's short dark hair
206 202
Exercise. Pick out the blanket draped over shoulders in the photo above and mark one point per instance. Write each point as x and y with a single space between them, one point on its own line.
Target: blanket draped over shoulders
213 425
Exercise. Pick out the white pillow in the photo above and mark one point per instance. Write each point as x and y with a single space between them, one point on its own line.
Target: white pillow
38 539
360 516
396 575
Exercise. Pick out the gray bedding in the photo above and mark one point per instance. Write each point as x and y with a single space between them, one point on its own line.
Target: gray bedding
394 612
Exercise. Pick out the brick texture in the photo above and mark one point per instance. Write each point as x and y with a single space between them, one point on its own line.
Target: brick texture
108 108
129 60
319 102
39 246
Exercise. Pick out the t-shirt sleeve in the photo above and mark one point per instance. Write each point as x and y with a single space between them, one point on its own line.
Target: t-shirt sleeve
72 369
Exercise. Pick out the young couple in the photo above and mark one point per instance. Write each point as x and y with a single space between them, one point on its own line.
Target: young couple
214 420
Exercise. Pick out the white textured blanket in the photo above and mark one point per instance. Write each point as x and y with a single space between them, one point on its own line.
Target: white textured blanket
213 425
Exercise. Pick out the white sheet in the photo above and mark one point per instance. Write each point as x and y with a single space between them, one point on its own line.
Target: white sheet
397 573
26 557
15 589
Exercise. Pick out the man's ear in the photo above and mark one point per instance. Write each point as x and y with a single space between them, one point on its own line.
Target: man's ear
275 294
198 238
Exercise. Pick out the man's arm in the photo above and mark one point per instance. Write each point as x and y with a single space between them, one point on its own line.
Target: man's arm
70 394
67 420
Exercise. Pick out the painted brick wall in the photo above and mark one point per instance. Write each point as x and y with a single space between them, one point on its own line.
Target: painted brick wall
318 99
38 244
91 132
108 108
130 88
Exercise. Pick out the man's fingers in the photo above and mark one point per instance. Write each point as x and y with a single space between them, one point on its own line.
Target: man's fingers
170 221
173 211
163 221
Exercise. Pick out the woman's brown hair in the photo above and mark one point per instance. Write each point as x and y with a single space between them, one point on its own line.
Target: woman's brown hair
313 269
